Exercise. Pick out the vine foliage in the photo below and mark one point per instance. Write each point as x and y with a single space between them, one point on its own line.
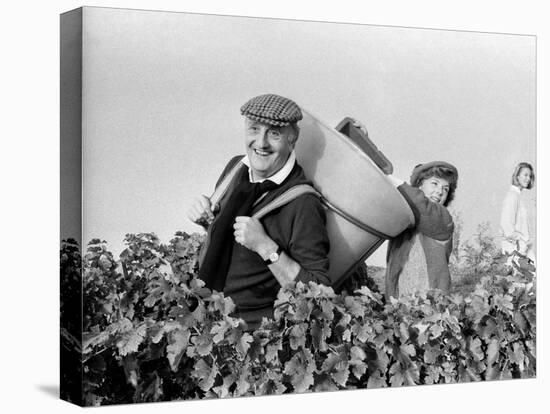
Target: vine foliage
151 331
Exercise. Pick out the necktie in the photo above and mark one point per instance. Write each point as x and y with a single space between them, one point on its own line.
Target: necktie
218 255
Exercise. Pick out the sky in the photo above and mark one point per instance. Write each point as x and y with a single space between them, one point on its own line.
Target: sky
162 92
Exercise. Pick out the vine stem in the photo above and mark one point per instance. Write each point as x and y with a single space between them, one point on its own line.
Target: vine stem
94 354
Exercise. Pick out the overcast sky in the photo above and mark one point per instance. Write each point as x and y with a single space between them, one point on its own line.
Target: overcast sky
162 93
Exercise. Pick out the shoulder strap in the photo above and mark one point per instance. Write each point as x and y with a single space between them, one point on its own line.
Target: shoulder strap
285 198
224 185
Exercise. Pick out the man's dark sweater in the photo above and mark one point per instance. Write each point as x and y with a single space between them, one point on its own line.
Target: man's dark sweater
297 227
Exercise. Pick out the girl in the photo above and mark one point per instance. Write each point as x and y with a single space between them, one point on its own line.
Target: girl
418 258
514 219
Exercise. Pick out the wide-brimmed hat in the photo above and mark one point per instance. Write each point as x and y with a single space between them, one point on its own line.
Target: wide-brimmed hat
272 109
424 167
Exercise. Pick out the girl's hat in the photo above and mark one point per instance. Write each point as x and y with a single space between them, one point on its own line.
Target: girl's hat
424 167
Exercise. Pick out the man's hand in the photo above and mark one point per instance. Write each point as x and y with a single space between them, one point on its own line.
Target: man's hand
251 234
201 211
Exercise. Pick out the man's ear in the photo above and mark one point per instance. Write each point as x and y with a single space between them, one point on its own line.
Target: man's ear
293 140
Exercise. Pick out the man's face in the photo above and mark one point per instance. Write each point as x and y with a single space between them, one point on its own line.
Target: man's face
436 189
267 146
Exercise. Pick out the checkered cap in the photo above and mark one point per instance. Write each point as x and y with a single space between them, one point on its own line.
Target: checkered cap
272 109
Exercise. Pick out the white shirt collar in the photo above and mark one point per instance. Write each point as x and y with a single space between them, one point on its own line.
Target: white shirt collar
279 176
516 189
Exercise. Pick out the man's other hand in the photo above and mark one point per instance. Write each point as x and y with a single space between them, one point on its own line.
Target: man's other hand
251 234
201 211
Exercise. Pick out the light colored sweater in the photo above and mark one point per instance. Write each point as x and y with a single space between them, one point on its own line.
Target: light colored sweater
514 223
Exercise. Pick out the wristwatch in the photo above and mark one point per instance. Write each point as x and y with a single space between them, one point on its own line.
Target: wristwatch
273 257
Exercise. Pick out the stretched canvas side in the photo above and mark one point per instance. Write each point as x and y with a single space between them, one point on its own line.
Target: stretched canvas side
71 206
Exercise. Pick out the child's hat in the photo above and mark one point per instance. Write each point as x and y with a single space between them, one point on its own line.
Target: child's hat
424 167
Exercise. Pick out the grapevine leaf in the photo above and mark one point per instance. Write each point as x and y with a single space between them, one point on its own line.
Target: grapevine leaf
382 360
365 291
403 332
271 353
300 368
156 333
488 327
436 330
340 373
397 378
408 349
475 347
433 374
298 336
327 308
203 344
504 302
243 383
324 382
520 321
271 387
517 356
218 330
319 335
222 391
354 306
205 374
376 380
493 373
130 341
362 331
177 344
224 305
199 314
431 354
359 369
412 375
243 344
357 354
356 360
303 308
492 351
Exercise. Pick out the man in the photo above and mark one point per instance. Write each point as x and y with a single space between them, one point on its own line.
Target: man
249 260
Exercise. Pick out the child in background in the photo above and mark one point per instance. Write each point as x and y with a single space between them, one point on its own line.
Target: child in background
514 224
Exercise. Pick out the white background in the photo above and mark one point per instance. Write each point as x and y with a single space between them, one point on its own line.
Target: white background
30 207
161 93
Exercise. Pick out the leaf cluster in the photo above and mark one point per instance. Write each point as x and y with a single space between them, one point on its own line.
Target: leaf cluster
153 332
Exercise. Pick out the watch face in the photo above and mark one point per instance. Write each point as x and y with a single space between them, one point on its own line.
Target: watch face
273 257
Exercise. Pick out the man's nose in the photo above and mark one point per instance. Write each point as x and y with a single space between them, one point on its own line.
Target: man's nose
262 140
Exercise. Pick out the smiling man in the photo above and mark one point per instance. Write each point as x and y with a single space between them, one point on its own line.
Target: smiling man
250 259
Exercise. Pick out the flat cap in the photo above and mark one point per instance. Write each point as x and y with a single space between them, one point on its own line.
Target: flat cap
272 109
423 167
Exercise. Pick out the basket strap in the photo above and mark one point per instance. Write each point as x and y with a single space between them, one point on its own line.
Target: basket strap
221 189
300 189
286 197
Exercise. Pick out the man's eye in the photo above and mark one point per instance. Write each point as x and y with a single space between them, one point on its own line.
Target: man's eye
275 134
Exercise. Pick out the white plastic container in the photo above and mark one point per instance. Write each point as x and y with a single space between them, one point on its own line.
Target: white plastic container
363 206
